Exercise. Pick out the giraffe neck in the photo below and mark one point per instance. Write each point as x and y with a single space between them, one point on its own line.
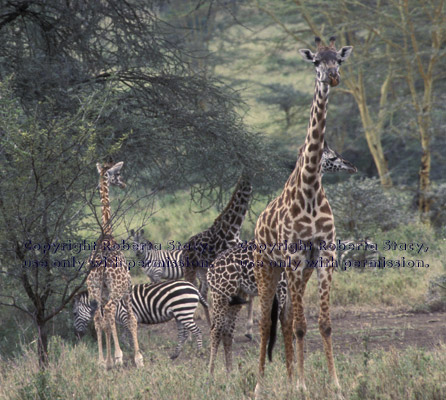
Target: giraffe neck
105 205
231 218
309 166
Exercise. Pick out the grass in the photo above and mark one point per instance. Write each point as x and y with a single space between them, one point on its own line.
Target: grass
73 373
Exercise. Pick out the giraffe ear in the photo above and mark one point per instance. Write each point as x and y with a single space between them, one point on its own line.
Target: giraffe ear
307 55
344 53
116 167
98 166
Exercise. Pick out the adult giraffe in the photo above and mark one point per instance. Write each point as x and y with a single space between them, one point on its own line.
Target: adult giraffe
301 214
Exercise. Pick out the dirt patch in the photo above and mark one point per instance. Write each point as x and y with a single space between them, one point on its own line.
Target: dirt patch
353 332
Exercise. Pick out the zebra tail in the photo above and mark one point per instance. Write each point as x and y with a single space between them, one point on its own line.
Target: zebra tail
202 300
273 330
235 300
93 307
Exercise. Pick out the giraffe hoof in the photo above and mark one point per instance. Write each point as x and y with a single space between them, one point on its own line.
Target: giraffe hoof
139 361
102 364
258 392
174 356
249 336
118 361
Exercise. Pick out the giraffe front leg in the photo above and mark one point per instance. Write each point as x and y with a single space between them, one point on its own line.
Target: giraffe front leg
110 315
267 278
132 326
250 322
99 326
324 283
286 321
296 282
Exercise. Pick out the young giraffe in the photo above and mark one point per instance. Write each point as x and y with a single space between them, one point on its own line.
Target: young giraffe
301 213
109 278
232 279
201 249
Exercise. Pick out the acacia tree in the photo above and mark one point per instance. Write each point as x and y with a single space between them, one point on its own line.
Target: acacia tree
398 46
83 81
46 181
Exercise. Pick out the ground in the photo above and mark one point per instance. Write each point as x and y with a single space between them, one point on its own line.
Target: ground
353 331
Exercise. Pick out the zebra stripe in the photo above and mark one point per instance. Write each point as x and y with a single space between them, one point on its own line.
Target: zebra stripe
365 255
153 304
163 264
158 264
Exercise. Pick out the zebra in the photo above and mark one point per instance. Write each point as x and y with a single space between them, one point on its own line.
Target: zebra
358 254
152 303
158 264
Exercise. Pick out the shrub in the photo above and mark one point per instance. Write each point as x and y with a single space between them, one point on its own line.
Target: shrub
361 207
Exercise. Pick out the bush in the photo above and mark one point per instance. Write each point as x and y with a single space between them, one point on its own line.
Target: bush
362 207
436 293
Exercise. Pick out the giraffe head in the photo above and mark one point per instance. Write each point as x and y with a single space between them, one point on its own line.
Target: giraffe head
111 173
327 60
332 161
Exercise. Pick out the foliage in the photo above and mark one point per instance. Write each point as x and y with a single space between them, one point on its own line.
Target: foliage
436 293
415 373
361 206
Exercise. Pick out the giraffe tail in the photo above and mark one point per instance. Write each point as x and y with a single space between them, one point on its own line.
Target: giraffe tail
236 300
273 330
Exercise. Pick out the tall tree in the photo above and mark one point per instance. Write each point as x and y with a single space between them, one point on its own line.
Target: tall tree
83 81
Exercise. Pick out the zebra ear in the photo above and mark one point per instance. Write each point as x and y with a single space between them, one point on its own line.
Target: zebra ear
142 231
132 232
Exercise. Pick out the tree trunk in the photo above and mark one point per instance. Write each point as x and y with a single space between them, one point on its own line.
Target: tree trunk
372 130
42 343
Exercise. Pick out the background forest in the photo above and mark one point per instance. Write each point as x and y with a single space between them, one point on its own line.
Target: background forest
189 94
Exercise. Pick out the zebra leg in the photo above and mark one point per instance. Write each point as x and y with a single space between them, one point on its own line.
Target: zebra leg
228 334
182 337
132 326
250 322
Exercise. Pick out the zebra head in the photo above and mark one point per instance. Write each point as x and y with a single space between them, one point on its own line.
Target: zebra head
139 242
83 312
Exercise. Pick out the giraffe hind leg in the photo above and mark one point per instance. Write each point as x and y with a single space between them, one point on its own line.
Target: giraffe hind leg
250 322
219 313
228 335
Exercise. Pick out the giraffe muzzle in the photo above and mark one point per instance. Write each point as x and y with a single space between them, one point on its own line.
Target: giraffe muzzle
333 77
